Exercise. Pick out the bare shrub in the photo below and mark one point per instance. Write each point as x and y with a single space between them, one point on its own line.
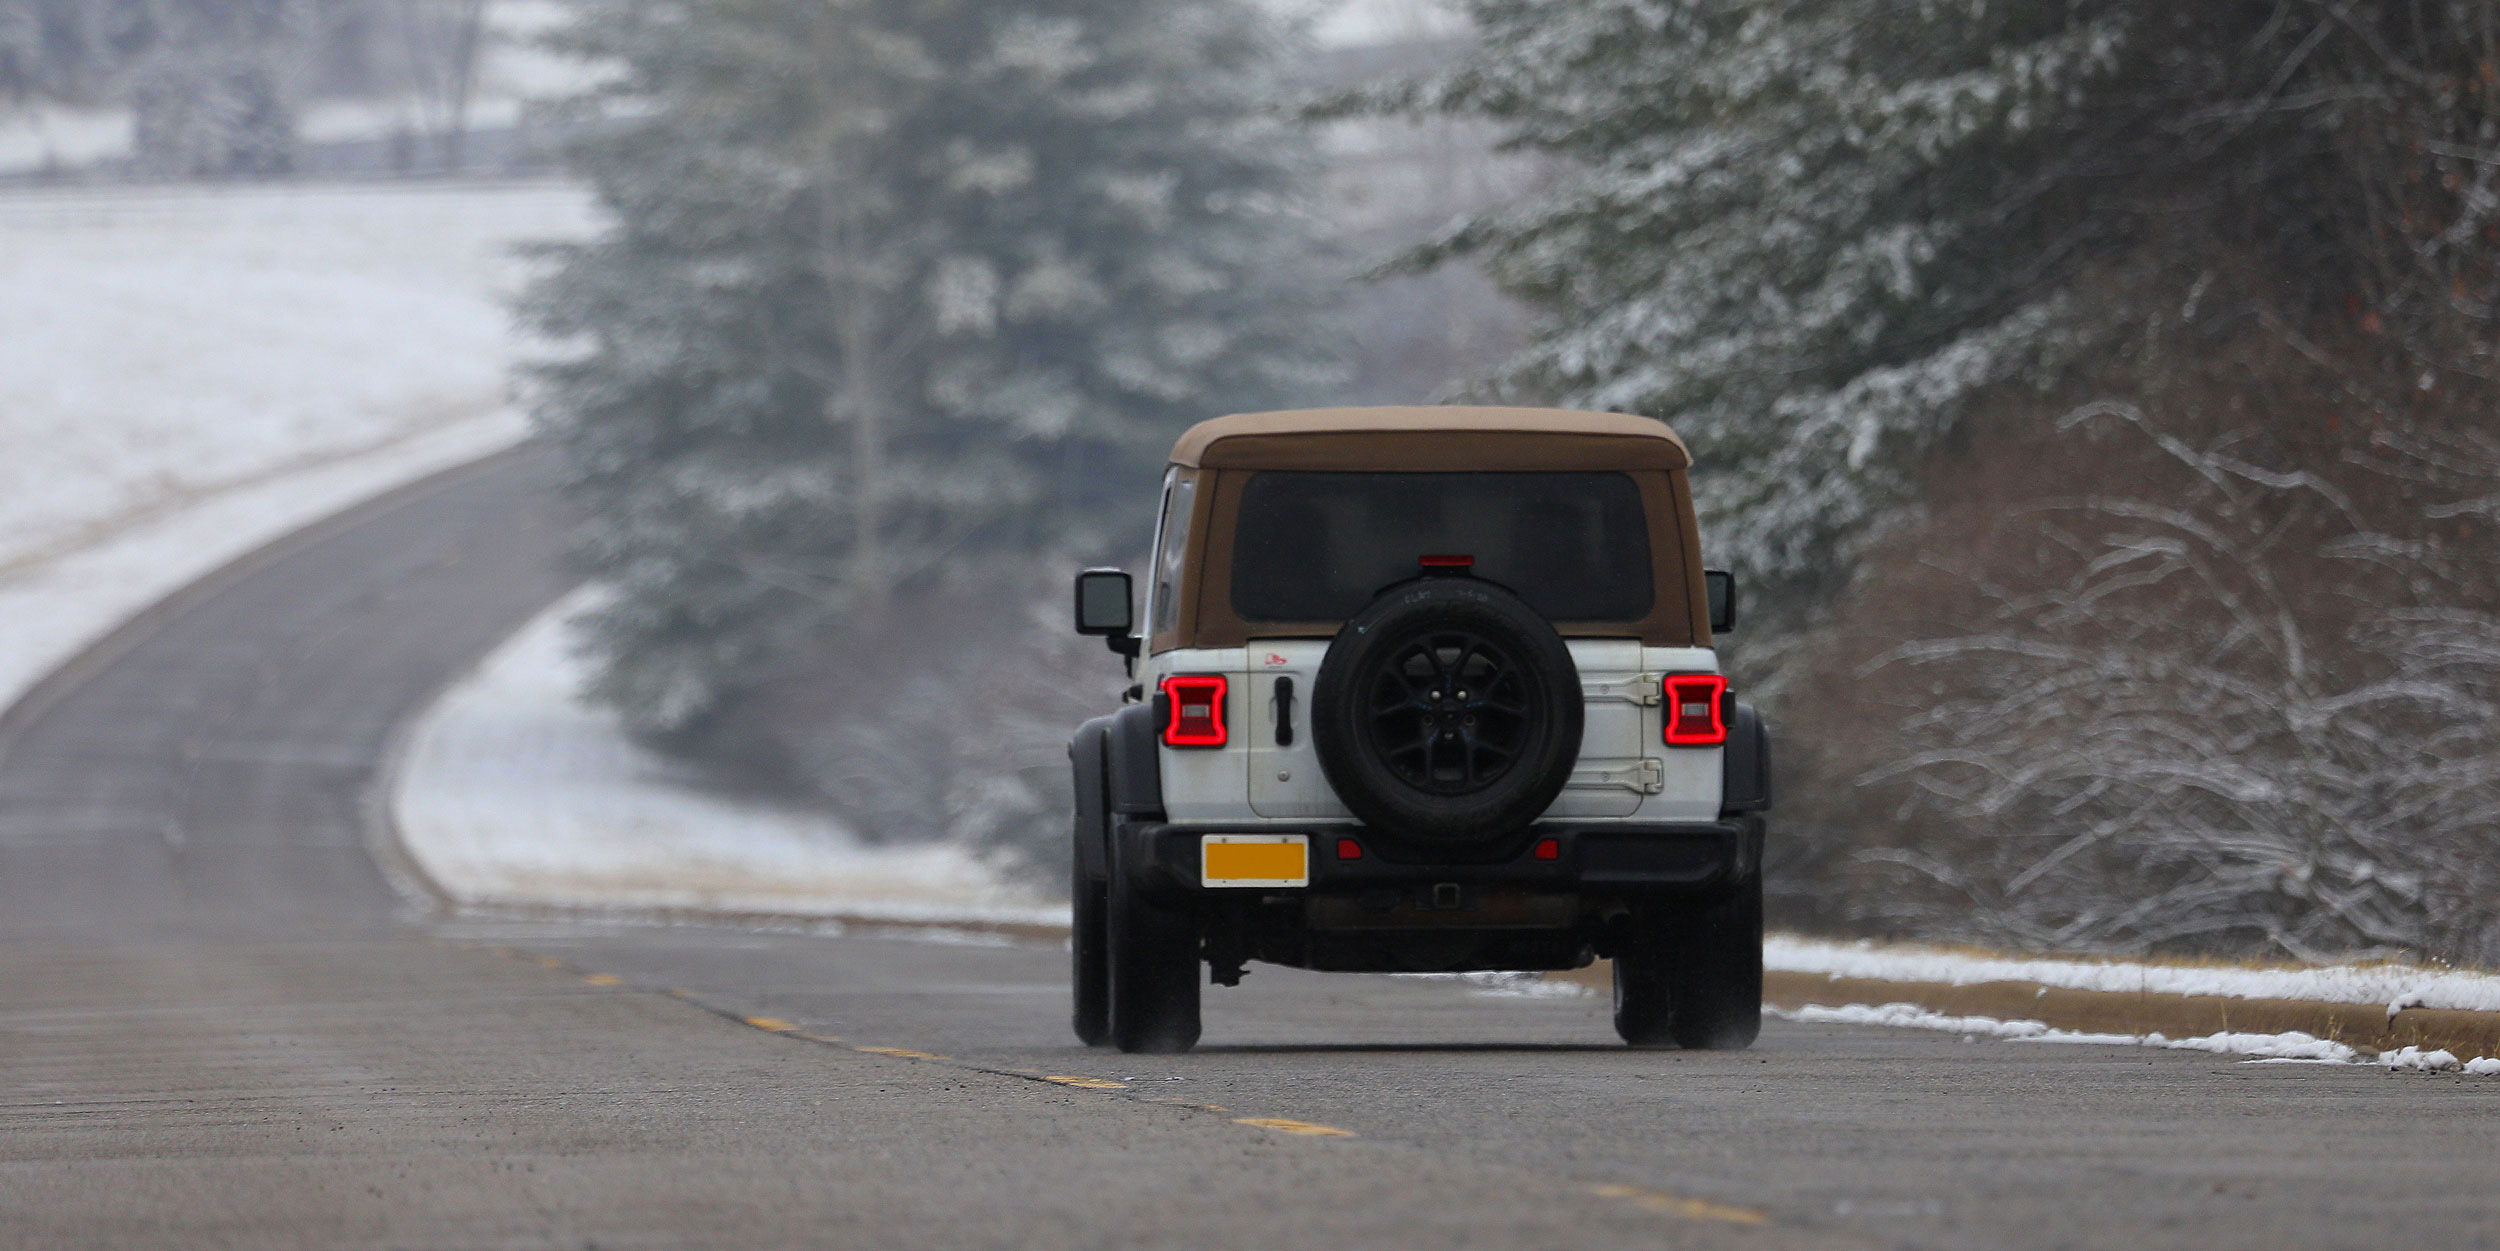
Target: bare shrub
2154 692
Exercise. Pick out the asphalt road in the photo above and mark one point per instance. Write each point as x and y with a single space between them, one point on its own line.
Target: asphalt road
224 1022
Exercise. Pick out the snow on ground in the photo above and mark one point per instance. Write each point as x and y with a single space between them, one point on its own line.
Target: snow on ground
157 346
514 794
49 136
2396 985
2287 1048
186 374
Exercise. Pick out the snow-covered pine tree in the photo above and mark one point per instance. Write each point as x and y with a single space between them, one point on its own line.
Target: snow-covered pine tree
1798 230
1806 232
891 281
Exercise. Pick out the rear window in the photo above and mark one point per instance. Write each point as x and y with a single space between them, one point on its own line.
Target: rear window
1319 546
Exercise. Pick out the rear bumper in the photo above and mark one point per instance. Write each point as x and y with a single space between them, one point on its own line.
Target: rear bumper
1597 858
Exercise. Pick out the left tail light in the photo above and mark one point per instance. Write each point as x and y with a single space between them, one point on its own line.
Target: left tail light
1696 706
1196 716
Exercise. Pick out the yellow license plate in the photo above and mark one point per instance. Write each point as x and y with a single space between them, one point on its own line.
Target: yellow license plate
1255 860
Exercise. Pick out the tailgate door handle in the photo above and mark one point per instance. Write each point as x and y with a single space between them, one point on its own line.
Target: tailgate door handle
1646 776
1640 688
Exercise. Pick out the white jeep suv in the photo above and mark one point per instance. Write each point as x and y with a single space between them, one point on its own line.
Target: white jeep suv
1421 690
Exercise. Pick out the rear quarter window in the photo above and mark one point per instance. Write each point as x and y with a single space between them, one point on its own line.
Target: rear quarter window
1180 494
1317 546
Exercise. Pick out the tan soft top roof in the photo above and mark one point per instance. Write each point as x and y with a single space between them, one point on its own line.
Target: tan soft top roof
1192 450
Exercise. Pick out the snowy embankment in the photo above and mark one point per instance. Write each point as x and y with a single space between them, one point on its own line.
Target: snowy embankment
513 795
2285 1048
2397 986
2102 990
187 374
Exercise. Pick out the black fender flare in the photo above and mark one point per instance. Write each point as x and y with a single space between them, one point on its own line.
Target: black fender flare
1134 749
1090 783
1115 774
1745 764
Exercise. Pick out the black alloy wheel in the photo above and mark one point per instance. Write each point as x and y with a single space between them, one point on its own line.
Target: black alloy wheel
1449 712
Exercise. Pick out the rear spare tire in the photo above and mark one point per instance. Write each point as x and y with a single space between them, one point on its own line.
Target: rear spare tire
1447 710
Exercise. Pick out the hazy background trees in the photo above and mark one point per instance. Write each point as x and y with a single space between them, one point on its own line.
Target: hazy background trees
219 88
903 302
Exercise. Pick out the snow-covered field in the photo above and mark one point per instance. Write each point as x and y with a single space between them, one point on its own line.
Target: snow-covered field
188 373
512 794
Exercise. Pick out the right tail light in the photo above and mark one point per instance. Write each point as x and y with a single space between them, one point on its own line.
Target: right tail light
1696 709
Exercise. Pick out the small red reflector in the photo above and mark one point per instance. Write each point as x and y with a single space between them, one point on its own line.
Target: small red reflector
1197 702
1694 709
1446 562
1348 849
1548 849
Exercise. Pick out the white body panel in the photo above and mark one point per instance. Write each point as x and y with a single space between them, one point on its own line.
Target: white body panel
1625 772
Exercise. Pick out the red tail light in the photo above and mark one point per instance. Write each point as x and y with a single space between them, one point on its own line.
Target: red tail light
1695 710
1197 704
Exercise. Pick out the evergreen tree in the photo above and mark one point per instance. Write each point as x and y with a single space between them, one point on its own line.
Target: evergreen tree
1783 227
891 281
1808 232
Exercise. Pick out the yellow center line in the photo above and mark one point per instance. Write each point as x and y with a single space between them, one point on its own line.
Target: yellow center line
1287 1125
1678 1205
1279 1124
905 1052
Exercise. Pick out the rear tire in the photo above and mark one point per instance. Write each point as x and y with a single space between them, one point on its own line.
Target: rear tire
1090 971
1644 1011
1714 972
1693 977
1153 969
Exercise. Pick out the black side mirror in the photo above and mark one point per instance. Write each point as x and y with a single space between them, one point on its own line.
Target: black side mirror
1105 605
1722 587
